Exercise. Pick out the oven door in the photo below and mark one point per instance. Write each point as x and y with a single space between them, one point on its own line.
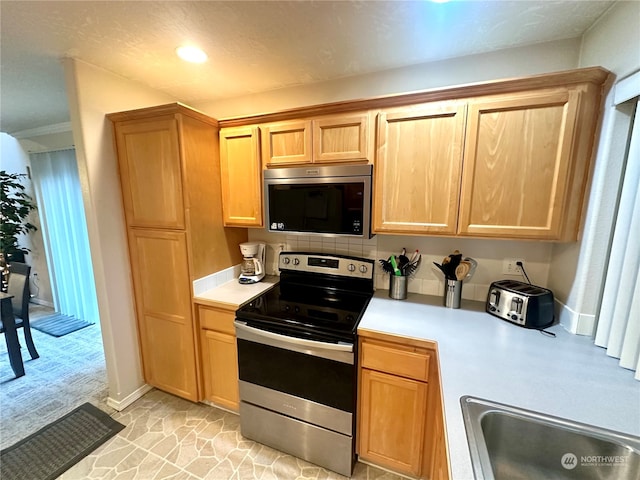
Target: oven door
311 380
298 395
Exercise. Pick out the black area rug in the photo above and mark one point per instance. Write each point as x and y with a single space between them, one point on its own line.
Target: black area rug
54 449
58 324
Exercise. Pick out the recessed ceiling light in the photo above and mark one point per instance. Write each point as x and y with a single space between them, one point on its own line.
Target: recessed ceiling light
191 54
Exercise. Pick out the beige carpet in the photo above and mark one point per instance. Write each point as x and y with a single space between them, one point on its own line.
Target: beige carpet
70 371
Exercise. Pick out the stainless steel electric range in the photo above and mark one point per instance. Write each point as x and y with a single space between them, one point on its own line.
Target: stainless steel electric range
297 358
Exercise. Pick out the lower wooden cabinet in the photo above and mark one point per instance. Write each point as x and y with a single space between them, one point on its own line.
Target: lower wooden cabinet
392 412
400 423
163 303
219 356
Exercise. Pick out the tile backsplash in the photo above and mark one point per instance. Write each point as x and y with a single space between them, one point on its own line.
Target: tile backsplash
427 279
214 280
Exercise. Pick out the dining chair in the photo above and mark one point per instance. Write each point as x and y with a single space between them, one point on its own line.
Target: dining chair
18 286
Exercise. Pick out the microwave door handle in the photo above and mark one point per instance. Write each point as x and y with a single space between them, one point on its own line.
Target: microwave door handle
332 351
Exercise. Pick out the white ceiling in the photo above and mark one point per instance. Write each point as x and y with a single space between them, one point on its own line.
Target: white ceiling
253 46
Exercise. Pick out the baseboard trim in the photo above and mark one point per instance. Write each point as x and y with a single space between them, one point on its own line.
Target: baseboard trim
575 322
129 399
215 405
39 301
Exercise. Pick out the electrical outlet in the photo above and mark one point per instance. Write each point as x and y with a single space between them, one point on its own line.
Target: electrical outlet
510 267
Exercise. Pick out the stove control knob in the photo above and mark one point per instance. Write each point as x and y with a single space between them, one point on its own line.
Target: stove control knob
351 267
296 309
363 269
286 260
296 261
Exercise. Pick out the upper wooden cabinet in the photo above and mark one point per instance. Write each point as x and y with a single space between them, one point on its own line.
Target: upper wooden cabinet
287 143
341 139
520 161
418 167
336 139
151 178
504 166
241 173
170 175
502 159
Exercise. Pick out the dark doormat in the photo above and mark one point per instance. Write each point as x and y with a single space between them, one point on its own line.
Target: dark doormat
58 324
53 449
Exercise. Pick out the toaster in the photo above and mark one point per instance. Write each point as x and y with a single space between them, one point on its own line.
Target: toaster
521 303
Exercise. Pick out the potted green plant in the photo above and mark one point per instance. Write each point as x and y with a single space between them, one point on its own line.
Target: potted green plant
15 206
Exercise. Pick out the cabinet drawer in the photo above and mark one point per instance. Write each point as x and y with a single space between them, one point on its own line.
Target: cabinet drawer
217 320
410 362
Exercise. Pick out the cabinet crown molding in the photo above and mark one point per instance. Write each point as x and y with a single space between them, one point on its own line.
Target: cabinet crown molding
592 75
159 110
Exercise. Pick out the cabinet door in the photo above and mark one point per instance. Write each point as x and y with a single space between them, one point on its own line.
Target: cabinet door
150 171
163 307
392 420
417 169
516 165
286 143
220 368
341 139
241 174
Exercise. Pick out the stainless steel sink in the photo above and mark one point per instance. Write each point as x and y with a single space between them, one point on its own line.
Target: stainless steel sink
510 443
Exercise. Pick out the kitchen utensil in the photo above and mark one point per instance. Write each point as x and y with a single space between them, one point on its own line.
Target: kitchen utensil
394 264
412 266
462 270
403 260
472 270
386 266
441 268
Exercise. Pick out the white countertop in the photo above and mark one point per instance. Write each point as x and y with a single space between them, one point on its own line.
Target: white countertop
235 294
484 356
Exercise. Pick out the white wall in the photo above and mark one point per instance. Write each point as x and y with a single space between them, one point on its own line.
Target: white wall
516 62
16 160
92 93
579 268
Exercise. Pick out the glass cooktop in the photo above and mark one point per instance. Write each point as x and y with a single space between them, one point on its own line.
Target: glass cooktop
316 313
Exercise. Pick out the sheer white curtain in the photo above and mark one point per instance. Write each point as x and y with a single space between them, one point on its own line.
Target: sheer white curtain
65 232
619 318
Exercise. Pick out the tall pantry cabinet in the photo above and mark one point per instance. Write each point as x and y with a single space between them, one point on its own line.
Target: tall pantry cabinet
169 166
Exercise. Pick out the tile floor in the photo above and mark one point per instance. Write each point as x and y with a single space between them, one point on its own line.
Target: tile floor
165 437
170 438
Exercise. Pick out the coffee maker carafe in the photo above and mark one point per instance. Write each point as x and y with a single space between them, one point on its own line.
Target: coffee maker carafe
252 267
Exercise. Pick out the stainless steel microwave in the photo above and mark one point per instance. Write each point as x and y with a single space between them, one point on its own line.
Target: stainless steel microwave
321 200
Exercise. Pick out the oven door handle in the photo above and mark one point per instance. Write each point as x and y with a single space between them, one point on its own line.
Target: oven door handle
341 352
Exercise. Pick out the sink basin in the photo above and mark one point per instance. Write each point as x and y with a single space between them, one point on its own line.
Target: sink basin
510 443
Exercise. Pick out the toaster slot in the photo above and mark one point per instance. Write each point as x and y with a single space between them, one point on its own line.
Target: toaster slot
494 300
516 305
